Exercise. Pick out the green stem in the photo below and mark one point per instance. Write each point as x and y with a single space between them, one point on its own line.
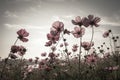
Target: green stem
91 38
79 58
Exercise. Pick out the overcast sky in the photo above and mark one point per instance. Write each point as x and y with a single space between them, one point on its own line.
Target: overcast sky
36 16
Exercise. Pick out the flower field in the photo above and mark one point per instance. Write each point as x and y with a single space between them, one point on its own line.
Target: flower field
82 62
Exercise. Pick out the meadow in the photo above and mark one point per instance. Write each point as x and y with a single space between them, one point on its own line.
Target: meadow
82 62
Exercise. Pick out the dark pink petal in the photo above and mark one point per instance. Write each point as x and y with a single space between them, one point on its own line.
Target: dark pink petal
24 39
97 19
85 22
49 43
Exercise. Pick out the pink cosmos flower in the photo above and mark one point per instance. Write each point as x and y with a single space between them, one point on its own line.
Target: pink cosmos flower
22 34
14 49
91 58
78 32
42 62
36 58
69 53
93 21
13 56
30 60
87 45
43 54
106 34
47 68
53 48
58 26
61 45
81 21
49 43
53 38
74 48
22 50
66 44
66 32
51 55
54 32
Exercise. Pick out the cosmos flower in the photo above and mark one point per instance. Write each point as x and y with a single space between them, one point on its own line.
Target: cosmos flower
66 44
49 43
53 48
74 48
66 32
78 32
30 60
81 21
22 34
13 56
61 45
91 58
93 21
14 49
22 50
51 55
47 68
106 34
87 45
43 54
58 26
53 38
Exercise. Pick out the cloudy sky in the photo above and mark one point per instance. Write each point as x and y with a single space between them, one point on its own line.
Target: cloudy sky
36 16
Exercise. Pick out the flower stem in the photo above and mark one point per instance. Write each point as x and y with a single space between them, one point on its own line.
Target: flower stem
91 38
79 59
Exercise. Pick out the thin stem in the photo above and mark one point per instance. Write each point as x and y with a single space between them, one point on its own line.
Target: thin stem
79 58
113 43
91 38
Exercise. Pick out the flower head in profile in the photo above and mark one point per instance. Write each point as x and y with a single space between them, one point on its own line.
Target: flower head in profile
22 34
74 47
49 43
14 49
43 54
66 32
53 37
30 60
53 48
93 21
106 34
51 55
78 32
58 26
13 56
87 45
22 50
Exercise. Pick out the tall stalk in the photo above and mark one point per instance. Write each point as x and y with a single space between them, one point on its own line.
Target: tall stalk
91 38
79 64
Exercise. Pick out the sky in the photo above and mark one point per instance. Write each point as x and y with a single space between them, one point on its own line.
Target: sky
37 16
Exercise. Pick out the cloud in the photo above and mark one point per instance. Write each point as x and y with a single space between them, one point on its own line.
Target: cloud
10 14
18 26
